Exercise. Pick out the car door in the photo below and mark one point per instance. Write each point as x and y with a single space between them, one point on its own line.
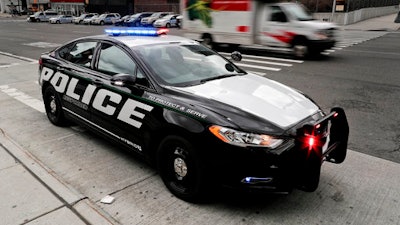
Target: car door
274 23
121 110
75 70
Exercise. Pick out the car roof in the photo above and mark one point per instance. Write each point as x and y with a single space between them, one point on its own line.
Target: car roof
132 40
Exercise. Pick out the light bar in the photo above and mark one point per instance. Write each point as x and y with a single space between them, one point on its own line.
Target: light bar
136 31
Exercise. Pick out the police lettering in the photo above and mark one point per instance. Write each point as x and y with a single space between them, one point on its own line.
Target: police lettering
104 100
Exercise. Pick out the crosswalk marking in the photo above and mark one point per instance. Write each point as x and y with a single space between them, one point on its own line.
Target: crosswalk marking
24 98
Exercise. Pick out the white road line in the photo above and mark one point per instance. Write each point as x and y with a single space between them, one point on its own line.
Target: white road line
258 67
267 58
24 98
9 65
257 73
267 62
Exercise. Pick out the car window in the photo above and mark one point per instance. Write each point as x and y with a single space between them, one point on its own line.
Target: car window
181 65
114 60
80 53
277 14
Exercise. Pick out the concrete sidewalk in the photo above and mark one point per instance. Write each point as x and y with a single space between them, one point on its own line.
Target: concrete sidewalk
33 194
383 23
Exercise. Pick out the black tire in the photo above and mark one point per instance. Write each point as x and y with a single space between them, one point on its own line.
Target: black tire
102 23
53 107
208 41
58 21
180 169
167 25
300 48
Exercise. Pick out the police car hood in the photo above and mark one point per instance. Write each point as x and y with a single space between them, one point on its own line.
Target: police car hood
259 96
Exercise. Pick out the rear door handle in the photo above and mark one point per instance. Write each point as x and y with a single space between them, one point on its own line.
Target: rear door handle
60 68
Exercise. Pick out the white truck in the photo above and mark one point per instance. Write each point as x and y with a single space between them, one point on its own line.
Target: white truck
264 24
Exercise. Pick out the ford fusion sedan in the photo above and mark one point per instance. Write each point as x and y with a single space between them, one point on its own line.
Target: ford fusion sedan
202 121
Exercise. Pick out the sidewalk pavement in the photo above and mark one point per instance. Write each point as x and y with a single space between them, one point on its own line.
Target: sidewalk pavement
33 194
382 23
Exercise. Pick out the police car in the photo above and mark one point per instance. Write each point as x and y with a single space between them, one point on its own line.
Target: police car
201 120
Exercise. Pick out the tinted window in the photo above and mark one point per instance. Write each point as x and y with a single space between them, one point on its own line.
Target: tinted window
80 53
114 60
277 14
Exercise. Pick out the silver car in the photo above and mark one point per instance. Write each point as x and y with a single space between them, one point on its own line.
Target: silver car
61 19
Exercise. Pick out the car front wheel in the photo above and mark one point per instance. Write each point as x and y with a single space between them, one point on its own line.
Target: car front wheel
53 107
180 168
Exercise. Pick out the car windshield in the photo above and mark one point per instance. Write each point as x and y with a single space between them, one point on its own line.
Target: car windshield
299 12
185 64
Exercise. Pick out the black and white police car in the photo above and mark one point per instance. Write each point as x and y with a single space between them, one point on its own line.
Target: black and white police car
200 119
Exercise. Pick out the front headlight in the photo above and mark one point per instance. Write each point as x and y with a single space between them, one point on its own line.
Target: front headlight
243 139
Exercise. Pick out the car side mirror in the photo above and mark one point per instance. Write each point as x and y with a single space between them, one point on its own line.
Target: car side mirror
123 80
236 56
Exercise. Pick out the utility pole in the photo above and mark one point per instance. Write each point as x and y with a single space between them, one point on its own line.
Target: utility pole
333 9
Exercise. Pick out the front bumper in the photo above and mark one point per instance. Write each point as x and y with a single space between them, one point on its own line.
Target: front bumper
321 45
295 164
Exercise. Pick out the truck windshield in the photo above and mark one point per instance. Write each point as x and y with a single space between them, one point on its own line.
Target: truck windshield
299 12
185 64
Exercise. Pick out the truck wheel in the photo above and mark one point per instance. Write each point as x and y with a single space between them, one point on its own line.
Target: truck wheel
207 41
180 168
52 104
300 48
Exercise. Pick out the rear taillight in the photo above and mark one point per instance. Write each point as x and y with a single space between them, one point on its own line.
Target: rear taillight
40 61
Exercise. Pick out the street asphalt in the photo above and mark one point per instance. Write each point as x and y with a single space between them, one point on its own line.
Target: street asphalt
33 194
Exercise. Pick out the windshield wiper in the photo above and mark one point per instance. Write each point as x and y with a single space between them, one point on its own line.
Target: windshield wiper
220 77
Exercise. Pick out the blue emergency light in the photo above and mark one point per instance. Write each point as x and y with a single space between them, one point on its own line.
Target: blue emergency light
136 31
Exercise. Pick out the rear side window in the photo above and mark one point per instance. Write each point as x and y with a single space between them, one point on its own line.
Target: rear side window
80 53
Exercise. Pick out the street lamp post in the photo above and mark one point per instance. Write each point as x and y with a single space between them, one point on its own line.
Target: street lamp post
333 9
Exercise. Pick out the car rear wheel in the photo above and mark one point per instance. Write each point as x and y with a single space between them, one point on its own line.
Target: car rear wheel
180 168
53 107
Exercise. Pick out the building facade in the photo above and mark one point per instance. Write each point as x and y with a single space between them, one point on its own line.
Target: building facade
68 7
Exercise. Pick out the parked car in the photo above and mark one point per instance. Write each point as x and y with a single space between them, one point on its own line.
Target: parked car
89 20
61 19
135 20
106 18
167 21
42 16
120 21
79 19
203 122
148 21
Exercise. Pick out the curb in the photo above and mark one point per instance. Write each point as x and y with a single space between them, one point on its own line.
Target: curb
75 201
